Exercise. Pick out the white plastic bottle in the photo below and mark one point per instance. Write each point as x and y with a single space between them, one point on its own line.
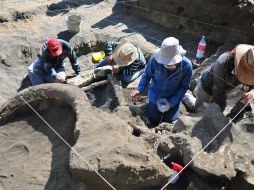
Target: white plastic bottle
201 49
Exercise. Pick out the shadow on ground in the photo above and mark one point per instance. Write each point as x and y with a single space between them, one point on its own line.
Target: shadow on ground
65 6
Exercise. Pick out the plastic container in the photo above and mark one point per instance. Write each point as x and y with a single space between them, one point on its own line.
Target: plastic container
98 56
162 105
176 175
174 178
201 49
73 23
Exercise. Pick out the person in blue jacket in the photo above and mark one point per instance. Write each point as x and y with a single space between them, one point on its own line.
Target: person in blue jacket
168 74
49 67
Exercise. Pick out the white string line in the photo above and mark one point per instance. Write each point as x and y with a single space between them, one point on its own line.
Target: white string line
185 18
172 15
191 52
235 136
143 35
159 41
123 2
222 79
201 151
217 134
66 142
155 39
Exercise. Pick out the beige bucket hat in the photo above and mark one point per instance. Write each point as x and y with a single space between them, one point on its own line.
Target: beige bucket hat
244 63
170 52
125 53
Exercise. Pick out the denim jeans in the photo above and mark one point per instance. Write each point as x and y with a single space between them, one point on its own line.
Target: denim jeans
125 78
155 116
37 74
103 63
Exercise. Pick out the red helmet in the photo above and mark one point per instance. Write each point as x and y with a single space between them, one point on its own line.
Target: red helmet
55 47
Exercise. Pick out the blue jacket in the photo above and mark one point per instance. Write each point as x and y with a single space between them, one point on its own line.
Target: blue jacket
50 63
165 84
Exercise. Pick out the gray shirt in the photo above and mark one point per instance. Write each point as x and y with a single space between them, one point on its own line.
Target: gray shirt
220 78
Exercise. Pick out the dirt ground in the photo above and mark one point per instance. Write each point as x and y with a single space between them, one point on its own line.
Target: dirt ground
31 156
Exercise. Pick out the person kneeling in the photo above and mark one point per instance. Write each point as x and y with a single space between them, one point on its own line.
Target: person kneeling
49 67
128 57
170 74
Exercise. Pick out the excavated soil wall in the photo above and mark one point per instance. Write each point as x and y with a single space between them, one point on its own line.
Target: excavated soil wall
179 15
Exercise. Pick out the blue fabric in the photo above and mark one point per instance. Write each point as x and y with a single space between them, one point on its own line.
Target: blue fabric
155 116
130 78
103 63
111 45
37 74
165 84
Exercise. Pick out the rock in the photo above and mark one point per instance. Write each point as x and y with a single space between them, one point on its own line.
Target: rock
165 127
88 77
104 141
166 145
102 71
84 79
217 155
197 183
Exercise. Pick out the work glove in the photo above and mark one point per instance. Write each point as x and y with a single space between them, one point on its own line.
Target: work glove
163 105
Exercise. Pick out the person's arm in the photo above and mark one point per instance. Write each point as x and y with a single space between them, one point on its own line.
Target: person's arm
219 90
44 55
110 47
146 77
184 85
72 57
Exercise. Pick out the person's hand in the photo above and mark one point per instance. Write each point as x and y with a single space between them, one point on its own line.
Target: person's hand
195 65
115 70
135 94
60 79
110 59
248 96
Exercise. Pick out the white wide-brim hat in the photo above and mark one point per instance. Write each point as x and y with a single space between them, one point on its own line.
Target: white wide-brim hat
125 53
170 52
244 63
